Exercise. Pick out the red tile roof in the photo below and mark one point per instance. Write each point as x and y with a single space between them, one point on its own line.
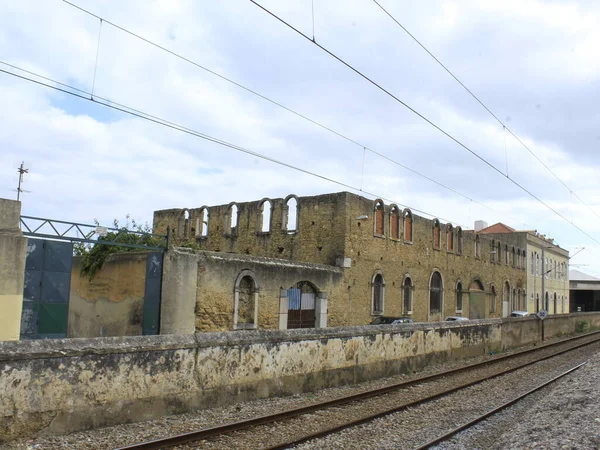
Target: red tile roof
497 228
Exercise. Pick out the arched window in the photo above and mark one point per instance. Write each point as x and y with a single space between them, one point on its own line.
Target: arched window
537 302
245 301
436 291
459 241
506 294
499 253
493 253
183 225
231 220
506 255
514 259
264 216
408 225
290 214
537 264
492 299
532 263
394 222
514 299
477 247
202 223
407 294
377 293
436 234
459 297
379 210
555 304
547 302
524 300
449 238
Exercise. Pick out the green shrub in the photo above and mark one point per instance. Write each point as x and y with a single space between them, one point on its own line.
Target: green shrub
581 326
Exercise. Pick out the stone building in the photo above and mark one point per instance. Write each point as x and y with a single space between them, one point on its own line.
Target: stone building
332 260
546 265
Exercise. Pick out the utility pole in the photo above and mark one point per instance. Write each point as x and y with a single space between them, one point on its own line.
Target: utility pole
22 170
543 278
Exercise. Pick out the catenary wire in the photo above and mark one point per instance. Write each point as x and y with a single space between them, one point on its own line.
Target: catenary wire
414 111
79 93
483 105
280 105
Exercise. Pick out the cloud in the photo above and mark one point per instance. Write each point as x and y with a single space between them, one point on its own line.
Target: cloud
90 162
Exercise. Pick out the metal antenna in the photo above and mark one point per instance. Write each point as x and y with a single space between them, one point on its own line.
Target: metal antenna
22 170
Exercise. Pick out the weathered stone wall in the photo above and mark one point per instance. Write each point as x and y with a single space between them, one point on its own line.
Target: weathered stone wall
318 237
340 227
111 303
396 259
217 273
57 386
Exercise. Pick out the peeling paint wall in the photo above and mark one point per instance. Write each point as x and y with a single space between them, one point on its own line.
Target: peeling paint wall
111 303
57 386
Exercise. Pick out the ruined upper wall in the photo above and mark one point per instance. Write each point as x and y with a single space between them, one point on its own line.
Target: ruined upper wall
316 236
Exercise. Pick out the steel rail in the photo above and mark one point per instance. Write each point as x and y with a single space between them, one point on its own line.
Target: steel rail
405 406
206 433
493 411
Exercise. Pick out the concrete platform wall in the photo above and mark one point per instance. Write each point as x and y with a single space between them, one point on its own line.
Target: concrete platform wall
57 386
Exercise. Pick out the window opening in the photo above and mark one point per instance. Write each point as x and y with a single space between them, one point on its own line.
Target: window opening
408 290
394 222
459 295
379 214
408 225
265 216
291 210
378 294
435 293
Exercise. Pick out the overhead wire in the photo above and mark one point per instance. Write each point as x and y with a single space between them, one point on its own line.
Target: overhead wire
85 95
290 110
505 127
424 118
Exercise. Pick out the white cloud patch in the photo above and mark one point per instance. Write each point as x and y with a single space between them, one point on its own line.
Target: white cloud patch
533 63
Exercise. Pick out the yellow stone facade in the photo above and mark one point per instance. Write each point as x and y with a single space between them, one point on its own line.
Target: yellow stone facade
340 230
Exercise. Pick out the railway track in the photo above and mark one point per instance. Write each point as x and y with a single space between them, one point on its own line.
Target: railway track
402 396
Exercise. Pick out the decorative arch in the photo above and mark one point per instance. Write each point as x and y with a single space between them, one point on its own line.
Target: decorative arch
407 218
408 288
379 215
477 247
394 222
290 214
436 292
265 213
459 241
202 222
245 308
435 225
377 293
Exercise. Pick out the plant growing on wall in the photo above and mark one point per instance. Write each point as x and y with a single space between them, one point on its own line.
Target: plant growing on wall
94 255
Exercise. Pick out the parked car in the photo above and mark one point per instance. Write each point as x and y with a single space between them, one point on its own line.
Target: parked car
455 319
519 314
386 320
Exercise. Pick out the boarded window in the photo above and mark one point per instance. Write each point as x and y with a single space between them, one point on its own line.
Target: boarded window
459 297
460 241
450 238
246 301
435 293
408 226
378 294
436 234
379 214
395 223
493 299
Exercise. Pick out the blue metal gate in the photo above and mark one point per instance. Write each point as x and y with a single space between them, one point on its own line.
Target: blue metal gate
46 289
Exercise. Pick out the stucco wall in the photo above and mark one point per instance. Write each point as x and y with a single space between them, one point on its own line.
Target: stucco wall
64 385
111 303
13 248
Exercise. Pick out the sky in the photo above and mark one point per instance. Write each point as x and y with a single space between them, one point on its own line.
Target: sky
534 64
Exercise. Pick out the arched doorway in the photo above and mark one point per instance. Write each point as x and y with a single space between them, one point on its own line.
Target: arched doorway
301 305
477 304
